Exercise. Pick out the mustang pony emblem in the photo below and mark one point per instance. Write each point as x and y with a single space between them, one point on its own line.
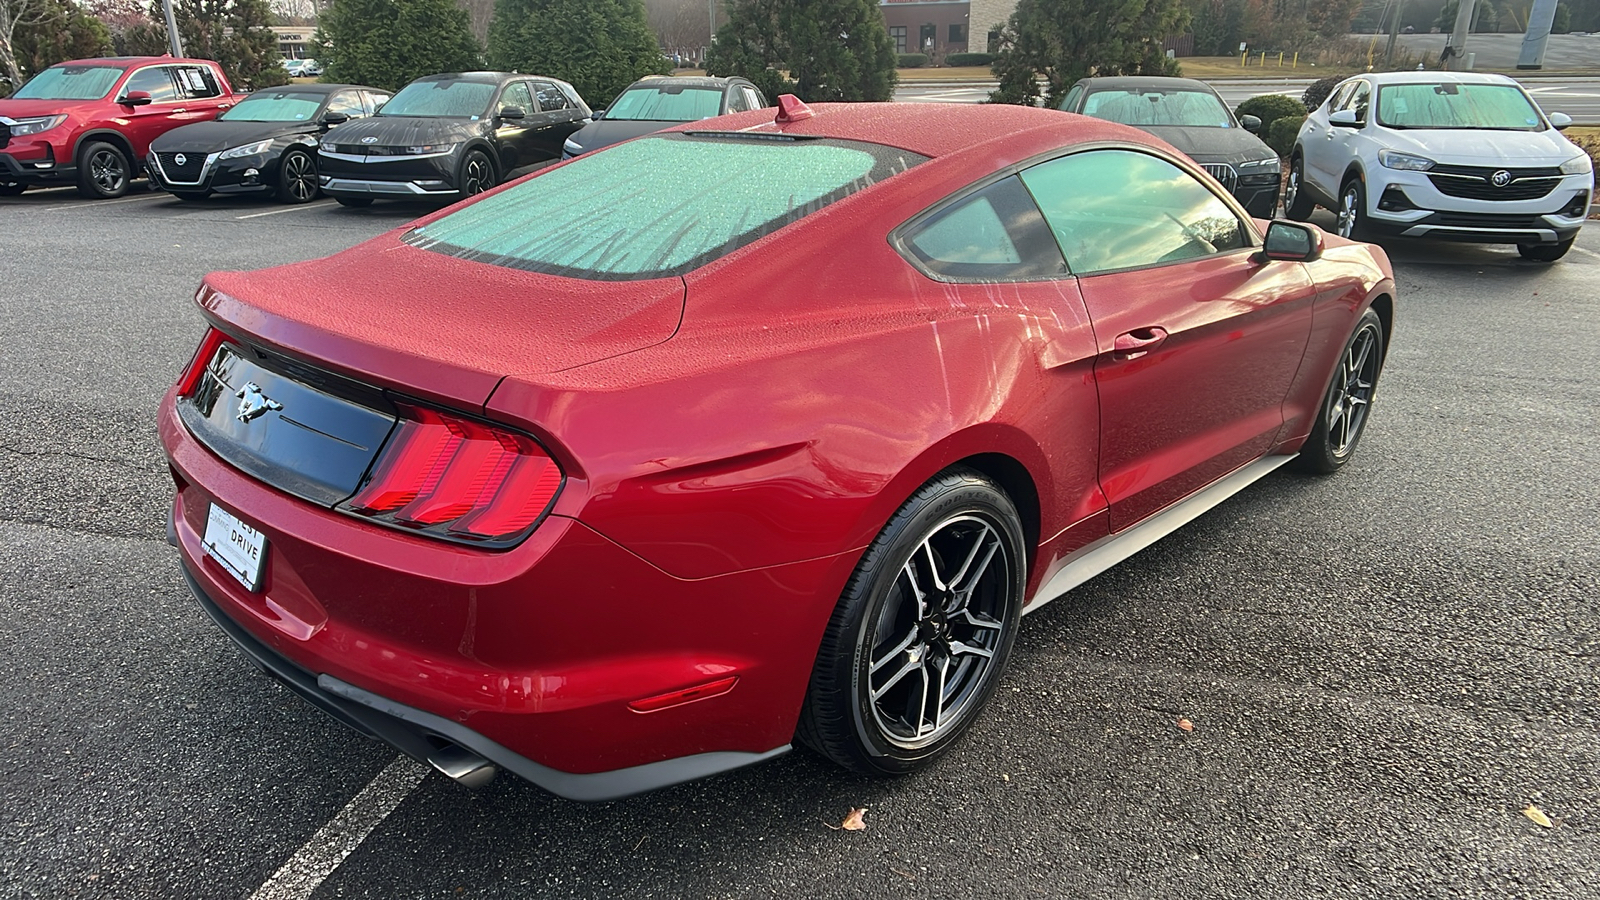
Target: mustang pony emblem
253 403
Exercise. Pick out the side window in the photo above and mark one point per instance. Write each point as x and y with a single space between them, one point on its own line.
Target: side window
197 82
154 81
550 96
374 101
1073 96
1360 100
752 98
1118 209
995 234
347 102
736 100
516 94
1339 95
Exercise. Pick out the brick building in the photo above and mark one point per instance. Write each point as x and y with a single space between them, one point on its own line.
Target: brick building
935 27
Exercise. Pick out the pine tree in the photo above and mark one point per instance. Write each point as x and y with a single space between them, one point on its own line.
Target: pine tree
386 43
599 46
68 32
235 33
819 50
1065 40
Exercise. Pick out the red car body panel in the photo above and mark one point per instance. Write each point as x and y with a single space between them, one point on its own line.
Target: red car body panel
131 128
734 439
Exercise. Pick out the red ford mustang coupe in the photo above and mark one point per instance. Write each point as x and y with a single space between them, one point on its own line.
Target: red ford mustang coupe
761 429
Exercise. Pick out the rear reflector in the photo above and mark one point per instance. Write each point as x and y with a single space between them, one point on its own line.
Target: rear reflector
687 695
458 479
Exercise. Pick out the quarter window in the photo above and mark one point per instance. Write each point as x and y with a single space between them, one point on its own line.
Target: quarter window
1120 209
995 234
197 82
154 81
347 102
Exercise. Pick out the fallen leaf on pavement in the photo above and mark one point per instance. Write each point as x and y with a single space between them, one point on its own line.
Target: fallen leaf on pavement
1186 725
1534 814
855 822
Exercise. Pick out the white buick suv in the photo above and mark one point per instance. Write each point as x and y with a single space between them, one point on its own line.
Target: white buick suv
1455 155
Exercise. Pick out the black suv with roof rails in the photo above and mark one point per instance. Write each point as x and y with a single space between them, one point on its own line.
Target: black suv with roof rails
451 136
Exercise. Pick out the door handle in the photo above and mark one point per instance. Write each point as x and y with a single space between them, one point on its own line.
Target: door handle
1136 343
179 110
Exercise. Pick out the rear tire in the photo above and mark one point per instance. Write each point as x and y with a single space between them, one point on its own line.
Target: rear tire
297 177
1297 204
103 171
1348 401
354 202
920 638
1546 252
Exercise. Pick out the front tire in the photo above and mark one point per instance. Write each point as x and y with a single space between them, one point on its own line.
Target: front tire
918 641
1546 252
1352 209
297 177
103 172
477 173
1347 403
1297 203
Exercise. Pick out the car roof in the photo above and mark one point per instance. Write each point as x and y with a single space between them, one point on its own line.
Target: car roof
487 77
685 81
934 129
1434 77
320 88
1145 82
128 62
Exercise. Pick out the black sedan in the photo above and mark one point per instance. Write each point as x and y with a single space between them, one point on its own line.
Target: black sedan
655 103
451 136
1191 116
265 144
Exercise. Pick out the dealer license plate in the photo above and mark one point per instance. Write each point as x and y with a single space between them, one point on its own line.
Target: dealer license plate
240 548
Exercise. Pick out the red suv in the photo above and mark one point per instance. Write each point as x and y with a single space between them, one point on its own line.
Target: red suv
90 121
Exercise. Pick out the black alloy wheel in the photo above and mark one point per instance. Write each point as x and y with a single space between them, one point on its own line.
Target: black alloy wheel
11 188
1352 211
102 171
477 173
918 641
297 177
1546 252
354 202
1297 203
1343 416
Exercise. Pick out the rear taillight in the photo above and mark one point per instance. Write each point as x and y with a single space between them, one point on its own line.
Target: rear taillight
458 478
202 358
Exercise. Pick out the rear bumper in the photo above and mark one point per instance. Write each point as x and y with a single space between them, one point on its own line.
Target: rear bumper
450 746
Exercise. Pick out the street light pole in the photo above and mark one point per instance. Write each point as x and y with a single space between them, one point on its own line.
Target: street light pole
174 42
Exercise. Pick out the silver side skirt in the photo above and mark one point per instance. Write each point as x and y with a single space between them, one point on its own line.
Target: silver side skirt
1101 555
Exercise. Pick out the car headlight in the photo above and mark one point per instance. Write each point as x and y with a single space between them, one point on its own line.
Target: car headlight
246 150
1256 165
1410 162
25 127
1578 165
572 146
431 148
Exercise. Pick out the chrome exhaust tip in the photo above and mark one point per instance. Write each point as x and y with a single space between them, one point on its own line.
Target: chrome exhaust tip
463 766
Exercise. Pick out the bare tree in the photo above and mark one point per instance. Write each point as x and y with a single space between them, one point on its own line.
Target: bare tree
15 14
295 12
682 24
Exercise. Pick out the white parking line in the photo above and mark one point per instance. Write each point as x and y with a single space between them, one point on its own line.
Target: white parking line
1586 252
106 202
273 212
305 871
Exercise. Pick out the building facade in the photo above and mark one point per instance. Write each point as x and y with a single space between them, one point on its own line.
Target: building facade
934 27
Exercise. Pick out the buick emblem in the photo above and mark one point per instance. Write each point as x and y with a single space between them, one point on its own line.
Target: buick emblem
369 139
180 159
1500 178
253 403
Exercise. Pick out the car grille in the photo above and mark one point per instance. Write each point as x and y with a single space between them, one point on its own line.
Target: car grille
368 150
1477 182
187 172
1481 220
1223 173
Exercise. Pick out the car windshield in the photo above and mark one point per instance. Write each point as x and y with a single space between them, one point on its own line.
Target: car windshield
274 106
449 98
70 83
658 206
1153 107
667 103
1500 107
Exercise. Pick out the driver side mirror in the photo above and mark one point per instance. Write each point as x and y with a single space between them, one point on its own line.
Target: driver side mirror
1559 121
135 98
1290 241
597 114
512 113
1251 124
1345 117
334 118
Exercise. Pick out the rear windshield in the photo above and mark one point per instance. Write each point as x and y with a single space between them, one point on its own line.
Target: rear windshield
1152 107
274 106
666 104
1499 107
70 83
658 206
448 99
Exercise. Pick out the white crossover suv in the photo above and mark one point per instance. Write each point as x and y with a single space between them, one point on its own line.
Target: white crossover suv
1455 155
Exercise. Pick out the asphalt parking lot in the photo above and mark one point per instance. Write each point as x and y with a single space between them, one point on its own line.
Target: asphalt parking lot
1383 669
